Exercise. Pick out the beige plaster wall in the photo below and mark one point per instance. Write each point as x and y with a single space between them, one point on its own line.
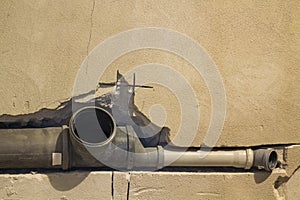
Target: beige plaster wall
255 45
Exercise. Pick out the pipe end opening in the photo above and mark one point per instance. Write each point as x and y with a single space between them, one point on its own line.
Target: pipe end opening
272 161
92 125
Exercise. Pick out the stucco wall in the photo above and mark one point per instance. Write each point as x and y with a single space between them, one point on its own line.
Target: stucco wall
255 45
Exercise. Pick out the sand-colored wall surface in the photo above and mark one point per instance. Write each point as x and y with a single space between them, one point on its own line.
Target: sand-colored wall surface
254 44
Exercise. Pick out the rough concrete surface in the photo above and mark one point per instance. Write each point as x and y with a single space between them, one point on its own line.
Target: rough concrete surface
203 185
254 44
148 185
293 191
292 158
63 186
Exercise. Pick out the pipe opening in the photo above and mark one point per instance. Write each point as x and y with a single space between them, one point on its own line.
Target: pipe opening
272 162
92 125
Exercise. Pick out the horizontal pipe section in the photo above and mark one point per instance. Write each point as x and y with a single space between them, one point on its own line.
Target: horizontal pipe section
237 158
31 148
53 148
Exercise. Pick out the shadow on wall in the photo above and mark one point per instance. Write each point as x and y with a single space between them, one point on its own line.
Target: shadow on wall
65 181
260 177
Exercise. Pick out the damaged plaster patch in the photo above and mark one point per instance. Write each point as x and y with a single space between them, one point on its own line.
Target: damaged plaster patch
112 102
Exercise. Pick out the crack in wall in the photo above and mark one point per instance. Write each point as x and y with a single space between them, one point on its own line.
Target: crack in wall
112 186
90 32
91 27
128 176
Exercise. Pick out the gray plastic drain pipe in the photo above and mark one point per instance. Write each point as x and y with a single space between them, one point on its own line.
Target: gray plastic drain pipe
262 159
90 144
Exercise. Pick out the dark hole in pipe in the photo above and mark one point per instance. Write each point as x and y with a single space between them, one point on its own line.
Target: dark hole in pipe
272 160
93 125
